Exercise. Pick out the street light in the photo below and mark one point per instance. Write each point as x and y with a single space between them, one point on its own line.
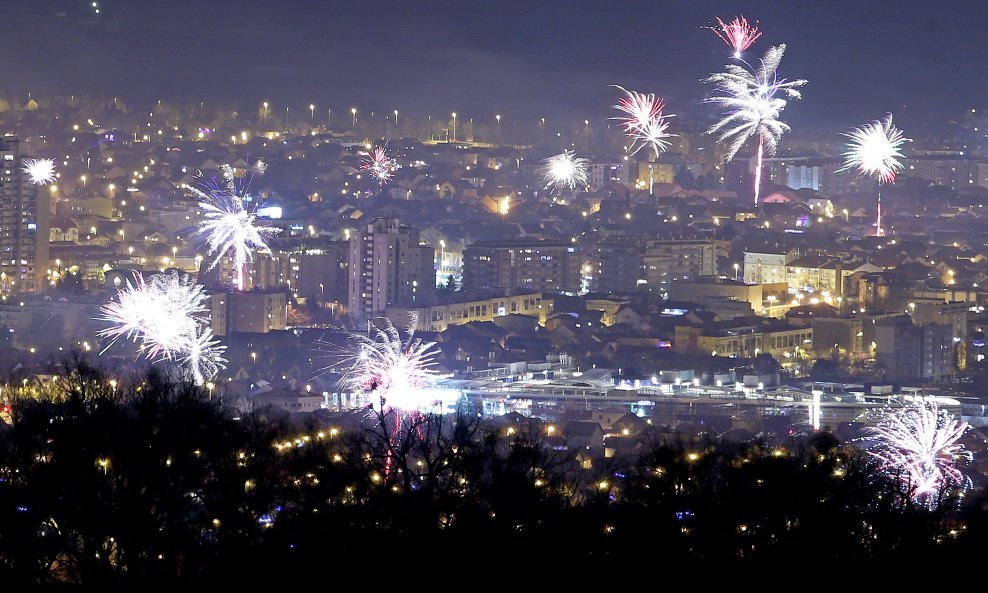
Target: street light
322 294
454 126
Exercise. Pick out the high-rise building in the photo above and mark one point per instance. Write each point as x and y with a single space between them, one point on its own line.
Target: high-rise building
617 266
668 261
309 269
389 268
906 351
255 312
24 216
543 266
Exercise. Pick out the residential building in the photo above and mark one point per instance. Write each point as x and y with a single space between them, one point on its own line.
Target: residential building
768 265
706 287
745 338
668 261
617 266
388 267
910 352
255 311
540 266
606 172
24 216
466 309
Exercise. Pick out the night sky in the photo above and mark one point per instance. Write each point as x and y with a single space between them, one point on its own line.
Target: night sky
919 59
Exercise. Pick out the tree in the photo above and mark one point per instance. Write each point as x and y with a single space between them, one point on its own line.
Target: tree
684 178
825 369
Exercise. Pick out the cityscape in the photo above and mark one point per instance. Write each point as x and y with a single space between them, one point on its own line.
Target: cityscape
617 316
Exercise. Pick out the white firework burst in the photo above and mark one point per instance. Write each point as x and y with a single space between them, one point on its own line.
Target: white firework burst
168 318
229 227
753 100
874 149
918 445
260 167
39 171
565 170
398 372
203 357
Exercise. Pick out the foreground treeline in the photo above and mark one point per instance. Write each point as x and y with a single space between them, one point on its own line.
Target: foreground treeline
150 483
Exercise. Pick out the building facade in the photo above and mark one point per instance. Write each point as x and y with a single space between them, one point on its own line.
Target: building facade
256 312
24 217
667 261
538 266
437 318
388 267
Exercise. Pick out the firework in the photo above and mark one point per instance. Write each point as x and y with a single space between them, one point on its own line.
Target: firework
737 34
919 446
874 150
565 170
168 318
379 165
39 171
644 121
203 356
753 101
229 227
260 167
394 370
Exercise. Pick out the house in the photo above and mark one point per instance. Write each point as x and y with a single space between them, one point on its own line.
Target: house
584 435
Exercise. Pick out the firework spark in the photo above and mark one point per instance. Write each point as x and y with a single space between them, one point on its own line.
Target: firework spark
565 170
260 167
397 371
919 446
229 227
644 121
737 34
379 165
168 318
39 171
874 150
752 102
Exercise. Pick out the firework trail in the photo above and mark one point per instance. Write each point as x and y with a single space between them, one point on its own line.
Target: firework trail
919 446
39 171
565 170
230 228
737 34
752 102
874 149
